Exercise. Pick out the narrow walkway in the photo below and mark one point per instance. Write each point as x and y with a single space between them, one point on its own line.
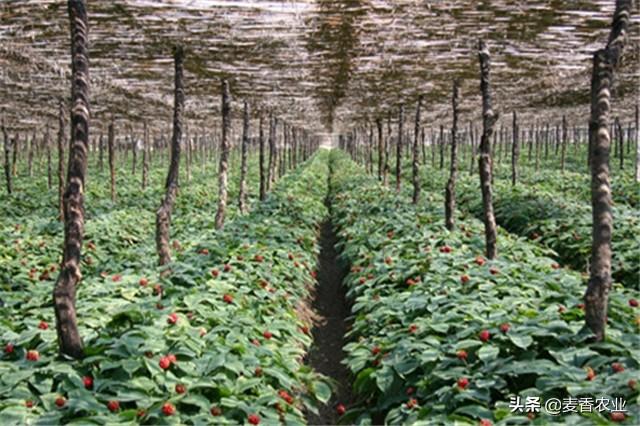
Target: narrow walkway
332 310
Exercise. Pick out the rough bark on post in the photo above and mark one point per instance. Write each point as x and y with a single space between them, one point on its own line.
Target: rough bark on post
7 156
242 196
387 148
163 214
112 160
489 118
515 150
441 146
399 148
272 151
61 138
415 169
537 160
282 158
497 149
546 142
423 147
64 292
145 155
529 142
380 148
370 151
101 153
637 136
134 150
620 135
30 148
47 144
472 140
433 149
556 141
263 183
294 147
604 62
187 146
564 142
450 192
223 170
14 160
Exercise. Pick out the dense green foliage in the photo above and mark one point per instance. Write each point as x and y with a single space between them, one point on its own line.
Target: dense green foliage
546 209
228 313
442 334
439 334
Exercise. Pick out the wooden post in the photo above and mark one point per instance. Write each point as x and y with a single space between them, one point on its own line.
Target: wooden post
472 136
370 150
112 159
604 62
101 153
223 170
30 149
387 148
7 156
637 137
537 150
187 147
564 142
263 180
61 138
546 142
399 148
14 160
489 118
380 148
145 155
441 146
64 292
620 135
242 196
163 214
272 151
450 191
423 146
134 150
515 150
47 144
415 169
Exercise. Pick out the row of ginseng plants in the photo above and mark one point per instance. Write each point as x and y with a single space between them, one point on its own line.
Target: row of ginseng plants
624 188
544 213
442 334
217 341
119 237
573 182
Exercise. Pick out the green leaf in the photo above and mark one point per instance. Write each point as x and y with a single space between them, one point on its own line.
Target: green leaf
384 378
322 391
488 353
520 341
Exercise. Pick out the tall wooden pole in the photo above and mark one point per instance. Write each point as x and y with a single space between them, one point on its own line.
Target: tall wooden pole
415 160
163 214
450 192
515 150
64 292
242 195
223 171
604 63
489 118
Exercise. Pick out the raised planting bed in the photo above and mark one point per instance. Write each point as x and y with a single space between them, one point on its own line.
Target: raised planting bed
442 335
220 340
